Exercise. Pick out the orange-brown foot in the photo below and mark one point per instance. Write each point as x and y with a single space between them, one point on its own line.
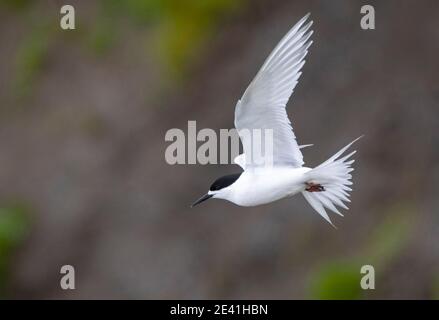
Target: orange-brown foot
313 187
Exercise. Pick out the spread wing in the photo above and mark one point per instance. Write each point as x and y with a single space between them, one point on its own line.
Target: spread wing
263 104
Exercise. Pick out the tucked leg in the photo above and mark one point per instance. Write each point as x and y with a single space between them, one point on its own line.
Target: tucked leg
314 187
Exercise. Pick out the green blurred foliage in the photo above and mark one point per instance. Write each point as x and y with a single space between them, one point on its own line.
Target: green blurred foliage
340 279
175 30
388 240
180 27
179 30
30 58
15 4
14 228
101 36
186 26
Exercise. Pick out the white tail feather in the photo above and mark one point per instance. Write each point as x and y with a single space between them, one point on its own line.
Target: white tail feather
334 175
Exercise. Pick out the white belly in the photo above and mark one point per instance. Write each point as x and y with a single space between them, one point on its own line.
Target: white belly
264 186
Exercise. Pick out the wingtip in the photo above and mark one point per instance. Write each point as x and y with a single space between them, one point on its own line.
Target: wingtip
305 17
356 140
307 26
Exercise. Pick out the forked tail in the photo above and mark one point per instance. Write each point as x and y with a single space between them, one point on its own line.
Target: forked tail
328 184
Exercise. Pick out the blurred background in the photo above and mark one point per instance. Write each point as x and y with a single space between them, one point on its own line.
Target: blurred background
83 178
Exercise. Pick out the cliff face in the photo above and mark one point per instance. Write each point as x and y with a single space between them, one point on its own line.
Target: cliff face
83 147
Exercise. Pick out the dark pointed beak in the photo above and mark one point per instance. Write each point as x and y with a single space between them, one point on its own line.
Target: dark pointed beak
203 198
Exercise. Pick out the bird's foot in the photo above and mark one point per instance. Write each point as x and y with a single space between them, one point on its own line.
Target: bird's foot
314 187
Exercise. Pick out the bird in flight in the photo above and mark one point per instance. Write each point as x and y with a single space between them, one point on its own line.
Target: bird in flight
262 106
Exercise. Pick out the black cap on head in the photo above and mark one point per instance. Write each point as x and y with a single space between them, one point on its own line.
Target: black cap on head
219 184
225 181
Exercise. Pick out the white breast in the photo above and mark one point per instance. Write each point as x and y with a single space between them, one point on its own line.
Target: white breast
256 187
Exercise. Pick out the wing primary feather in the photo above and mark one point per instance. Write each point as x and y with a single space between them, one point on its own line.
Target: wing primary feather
263 103
285 39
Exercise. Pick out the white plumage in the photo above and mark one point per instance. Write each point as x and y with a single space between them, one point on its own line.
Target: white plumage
262 106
